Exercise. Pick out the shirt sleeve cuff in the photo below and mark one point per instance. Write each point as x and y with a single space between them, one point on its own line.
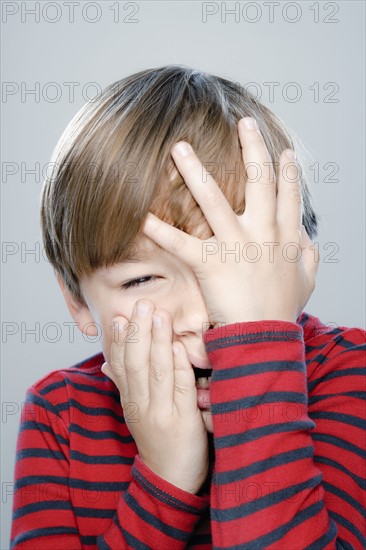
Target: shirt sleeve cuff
165 491
255 331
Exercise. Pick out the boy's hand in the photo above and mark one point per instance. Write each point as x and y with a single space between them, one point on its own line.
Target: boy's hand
159 398
272 273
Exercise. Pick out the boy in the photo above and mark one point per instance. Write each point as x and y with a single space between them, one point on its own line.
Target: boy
136 447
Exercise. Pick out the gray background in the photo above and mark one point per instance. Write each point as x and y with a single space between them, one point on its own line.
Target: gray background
312 52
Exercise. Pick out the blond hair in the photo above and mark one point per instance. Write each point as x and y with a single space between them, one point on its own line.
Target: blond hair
112 164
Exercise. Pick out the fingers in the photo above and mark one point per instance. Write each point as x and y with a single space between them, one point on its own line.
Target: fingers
161 375
130 355
144 369
178 243
213 203
289 196
185 392
260 188
205 190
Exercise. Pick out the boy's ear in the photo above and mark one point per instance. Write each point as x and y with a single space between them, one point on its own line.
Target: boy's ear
78 311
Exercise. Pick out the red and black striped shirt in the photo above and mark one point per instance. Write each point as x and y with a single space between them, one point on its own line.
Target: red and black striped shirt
287 452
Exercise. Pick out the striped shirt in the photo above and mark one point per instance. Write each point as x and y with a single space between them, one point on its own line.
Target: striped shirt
287 452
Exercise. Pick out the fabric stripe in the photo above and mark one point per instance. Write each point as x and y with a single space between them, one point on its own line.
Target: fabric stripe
224 478
354 371
361 481
72 482
343 495
273 498
101 434
100 459
257 433
350 526
150 519
258 368
339 417
46 505
35 533
325 539
278 533
339 443
255 400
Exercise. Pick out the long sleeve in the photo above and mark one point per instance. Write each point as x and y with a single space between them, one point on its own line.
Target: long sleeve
42 512
153 514
289 463
56 507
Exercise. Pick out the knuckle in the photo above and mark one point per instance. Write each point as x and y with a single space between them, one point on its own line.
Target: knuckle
157 373
177 242
116 358
130 365
179 388
267 187
118 368
114 364
213 201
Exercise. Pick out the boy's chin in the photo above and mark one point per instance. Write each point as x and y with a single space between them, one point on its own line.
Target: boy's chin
207 419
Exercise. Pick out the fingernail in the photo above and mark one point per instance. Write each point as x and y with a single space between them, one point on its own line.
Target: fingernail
182 149
157 321
250 123
143 309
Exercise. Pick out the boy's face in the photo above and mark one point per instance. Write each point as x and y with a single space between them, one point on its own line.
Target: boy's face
168 283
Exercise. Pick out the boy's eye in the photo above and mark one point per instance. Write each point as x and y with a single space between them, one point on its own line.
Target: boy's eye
138 282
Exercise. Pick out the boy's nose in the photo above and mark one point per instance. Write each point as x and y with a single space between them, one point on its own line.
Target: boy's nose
190 315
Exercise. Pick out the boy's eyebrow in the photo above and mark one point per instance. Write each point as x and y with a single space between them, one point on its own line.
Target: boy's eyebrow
137 254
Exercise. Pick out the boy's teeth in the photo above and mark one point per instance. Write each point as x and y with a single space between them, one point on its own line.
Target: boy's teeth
203 383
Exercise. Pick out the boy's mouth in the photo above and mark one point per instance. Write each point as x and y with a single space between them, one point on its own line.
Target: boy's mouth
203 378
201 373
